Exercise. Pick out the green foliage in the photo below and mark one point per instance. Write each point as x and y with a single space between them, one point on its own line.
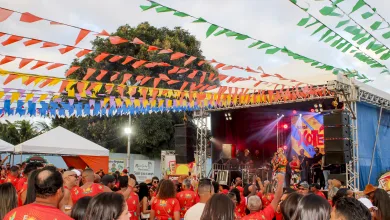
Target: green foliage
17 132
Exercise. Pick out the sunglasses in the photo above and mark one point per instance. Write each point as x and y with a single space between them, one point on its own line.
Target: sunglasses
155 181
301 188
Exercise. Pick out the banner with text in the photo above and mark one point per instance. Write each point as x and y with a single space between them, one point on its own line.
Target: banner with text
116 165
143 169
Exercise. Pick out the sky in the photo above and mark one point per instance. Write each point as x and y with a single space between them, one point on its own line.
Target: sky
272 21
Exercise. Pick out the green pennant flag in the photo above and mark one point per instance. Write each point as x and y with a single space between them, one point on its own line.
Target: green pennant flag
385 56
342 23
358 5
336 42
318 30
199 20
347 48
367 15
342 45
364 40
376 25
241 37
337 2
147 7
163 9
221 32
326 34
327 10
232 34
314 23
211 30
303 21
264 46
336 71
386 35
370 45
315 63
254 44
272 50
330 38
181 14
358 36
381 50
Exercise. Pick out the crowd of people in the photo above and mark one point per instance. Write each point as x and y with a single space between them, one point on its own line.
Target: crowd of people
32 192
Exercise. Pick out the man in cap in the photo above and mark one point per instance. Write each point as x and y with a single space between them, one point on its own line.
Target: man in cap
303 188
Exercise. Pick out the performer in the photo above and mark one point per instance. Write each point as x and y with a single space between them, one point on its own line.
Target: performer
246 159
304 165
316 168
280 162
295 171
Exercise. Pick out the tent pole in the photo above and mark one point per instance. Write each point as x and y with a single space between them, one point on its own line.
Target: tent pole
376 141
128 145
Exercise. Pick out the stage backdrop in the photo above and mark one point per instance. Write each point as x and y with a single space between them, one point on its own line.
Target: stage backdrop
307 132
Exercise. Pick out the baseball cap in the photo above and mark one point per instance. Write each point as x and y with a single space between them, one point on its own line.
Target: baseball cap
78 173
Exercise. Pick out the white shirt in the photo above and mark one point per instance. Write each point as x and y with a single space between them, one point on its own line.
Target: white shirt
195 212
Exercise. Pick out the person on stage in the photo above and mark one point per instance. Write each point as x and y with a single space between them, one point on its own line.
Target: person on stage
256 158
303 160
295 171
246 158
280 162
316 168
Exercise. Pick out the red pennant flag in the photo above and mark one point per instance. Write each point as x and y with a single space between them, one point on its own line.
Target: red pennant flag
203 77
139 78
29 18
183 71
170 82
66 49
222 77
173 70
230 79
127 60
31 42
120 90
90 71
189 60
203 88
12 39
101 57
164 64
201 62
156 82
49 44
9 79
82 53
4 14
211 77
115 58
7 59
183 86
144 80
211 87
1 34
265 75
192 87
138 63
63 86
143 93
248 69
101 75
151 65
153 48
71 70
126 77
227 67
154 94
83 33
117 40
219 65
114 77
258 83
30 80
109 88
164 77
92 86
54 65
45 83
165 51
177 55
39 64
24 62
103 33
193 74
137 41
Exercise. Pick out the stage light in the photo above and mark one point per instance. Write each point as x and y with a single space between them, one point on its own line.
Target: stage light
320 105
315 106
278 114
312 110
321 110
229 114
300 115
285 147
225 115
230 118
285 126
316 110
282 116
294 112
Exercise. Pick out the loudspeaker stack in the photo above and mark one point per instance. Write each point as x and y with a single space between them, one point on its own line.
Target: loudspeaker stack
185 140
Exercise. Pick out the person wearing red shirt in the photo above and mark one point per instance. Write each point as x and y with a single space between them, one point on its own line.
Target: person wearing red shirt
49 192
187 198
315 189
13 176
133 201
268 213
70 181
22 183
165 206
89 188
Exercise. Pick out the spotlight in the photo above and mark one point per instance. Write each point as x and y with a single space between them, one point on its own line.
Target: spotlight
315 106
282 116
294 112
285 126
278 114
285 147
321 110
300 115
229 114
320 105
316 110
226 115
312 110
230 118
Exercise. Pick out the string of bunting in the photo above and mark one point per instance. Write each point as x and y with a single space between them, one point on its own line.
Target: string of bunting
335 40
218 30
30 18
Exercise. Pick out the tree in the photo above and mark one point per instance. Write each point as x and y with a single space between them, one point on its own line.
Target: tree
17 132
152 132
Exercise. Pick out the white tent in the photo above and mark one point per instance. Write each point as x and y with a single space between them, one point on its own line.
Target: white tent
60 141
6 147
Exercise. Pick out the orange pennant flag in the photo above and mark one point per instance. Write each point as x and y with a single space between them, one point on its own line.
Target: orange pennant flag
227 67
156 82
170 82
82 53
211 77
164 77
164 64
4 14
71 70
250 70
114 77
12 39
139 78
193 74
165 51
137 41
90 71
173 70
212 87
230 79
39 64
83 33
138 63
151 65
45 83
258 83
31 42
127 60
101 57
189 60
10 78
222 77
66 49
101 75
203 88
63 86
177 55
143 93
29 18
109 88
153 48
183 86
117 40
154 93
203 77
7 59
92 86
219 65
183 71
80 87
144 80
30 80
103 33
120 90
200 63
49 44
54 65
265 75
126 77
115 58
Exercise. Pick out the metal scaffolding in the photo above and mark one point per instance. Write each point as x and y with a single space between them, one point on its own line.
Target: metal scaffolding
200 120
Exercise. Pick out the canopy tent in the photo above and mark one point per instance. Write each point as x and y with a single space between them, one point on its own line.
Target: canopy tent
6 147
74 149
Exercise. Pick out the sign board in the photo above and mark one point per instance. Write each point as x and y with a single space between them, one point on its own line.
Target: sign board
168 162
116 165
143 169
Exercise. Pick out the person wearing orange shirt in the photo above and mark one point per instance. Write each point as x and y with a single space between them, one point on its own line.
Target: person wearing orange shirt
166 206
89 188
70 181
49 192
186 198
22 183
315 189
13 176
133 200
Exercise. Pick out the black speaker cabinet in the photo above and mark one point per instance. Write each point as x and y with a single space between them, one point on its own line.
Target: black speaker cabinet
337 132
337 157
336 119
337 145
185 140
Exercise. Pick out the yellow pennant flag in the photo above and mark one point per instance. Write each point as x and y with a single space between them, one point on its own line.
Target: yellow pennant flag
153 103
105 101
128 102
1 94
55 82
169 104
28 97
160 103
15 96
118 102
137 103
43 97
145 103
37 80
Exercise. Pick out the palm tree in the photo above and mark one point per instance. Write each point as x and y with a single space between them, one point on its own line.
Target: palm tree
43 126
17 132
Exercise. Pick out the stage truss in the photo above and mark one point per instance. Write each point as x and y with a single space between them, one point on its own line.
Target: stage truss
200 120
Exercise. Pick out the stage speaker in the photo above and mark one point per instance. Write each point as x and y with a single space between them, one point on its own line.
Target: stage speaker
342 177
185 140
336 132
338 151
336 119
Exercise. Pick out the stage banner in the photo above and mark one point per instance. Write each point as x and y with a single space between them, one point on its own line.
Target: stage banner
143 169
116 165
307 132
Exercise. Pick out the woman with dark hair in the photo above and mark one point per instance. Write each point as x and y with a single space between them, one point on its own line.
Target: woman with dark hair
166 206
107 206
289 205
8 199
30 193
79 209
239 202
382 202
144 199
312 207
219 207
342 193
